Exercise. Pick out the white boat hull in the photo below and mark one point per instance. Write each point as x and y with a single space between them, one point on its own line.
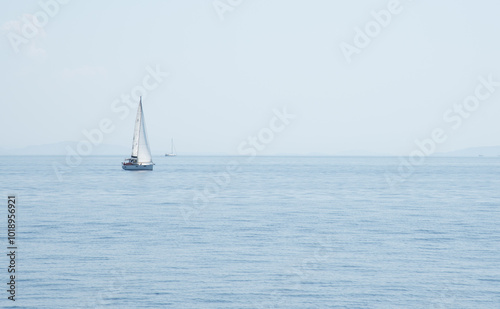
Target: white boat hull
137 167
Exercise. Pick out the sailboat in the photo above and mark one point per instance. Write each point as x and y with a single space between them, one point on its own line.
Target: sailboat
140 159
172 150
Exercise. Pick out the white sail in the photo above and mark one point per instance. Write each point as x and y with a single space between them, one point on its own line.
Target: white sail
144 155
140 145
172 151
137 129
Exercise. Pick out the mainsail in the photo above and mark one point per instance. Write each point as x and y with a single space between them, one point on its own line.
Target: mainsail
172 147
140 145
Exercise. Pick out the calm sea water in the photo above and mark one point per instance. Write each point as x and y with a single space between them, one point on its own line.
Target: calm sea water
279 232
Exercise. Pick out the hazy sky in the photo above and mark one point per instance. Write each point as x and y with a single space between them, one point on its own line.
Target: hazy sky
230 63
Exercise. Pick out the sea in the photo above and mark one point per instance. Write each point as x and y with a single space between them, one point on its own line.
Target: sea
253 232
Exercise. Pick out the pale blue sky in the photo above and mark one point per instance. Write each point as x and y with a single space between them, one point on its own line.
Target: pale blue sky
227 76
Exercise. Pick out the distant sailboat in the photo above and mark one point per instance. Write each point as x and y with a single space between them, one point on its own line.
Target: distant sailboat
172 150
141 154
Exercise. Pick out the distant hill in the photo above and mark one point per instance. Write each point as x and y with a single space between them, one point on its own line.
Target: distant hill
492 151
57 149
359 153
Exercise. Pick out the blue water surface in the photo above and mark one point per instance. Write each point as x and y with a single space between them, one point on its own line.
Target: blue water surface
272 232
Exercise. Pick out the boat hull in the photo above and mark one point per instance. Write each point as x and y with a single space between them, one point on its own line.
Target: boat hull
137 167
